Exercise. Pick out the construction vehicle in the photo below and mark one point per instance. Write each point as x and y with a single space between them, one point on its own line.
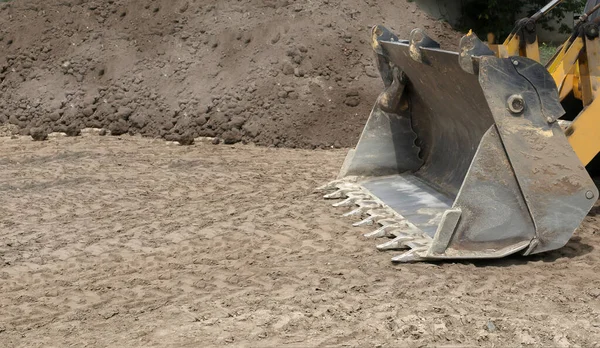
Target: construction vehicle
463 155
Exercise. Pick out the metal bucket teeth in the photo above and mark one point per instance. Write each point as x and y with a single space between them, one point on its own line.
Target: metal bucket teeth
343 190
369 221
356 212
368 204
336 195
390 224
375 215
406 242
383 231
329 186
407 229
412 255
338 184
353 198
397 243
364 206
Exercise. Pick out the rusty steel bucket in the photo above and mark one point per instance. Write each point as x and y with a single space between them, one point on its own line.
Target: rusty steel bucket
462 155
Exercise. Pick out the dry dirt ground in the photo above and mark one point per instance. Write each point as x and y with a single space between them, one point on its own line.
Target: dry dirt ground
134 242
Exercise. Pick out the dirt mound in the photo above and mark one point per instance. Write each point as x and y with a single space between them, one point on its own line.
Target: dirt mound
279 72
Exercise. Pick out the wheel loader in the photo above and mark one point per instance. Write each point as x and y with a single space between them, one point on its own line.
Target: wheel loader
463 155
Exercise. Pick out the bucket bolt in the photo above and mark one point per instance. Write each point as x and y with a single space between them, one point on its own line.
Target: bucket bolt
516 104
589 195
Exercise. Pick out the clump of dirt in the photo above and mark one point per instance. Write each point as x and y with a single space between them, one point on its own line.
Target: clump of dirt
278 72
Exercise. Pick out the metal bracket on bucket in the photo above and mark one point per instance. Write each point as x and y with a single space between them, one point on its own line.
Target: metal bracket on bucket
470 49
418 41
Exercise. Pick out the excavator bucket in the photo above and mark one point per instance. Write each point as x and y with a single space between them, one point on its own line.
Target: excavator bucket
462 156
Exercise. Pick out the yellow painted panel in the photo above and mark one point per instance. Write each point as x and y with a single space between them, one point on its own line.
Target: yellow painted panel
584 133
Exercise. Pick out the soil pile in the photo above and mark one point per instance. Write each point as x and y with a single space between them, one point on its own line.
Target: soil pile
278 72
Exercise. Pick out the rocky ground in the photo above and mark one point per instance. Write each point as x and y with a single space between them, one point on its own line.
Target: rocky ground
278 72
137 243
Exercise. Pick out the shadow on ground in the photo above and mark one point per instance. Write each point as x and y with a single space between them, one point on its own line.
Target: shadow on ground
574 248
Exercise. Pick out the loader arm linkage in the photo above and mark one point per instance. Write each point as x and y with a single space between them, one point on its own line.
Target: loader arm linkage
523 41
575 68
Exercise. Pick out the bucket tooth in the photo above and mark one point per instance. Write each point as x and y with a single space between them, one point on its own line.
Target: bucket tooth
338 184
397 243
368 203
389 222
381 212
419 243
363 207
406 229
402 232
356 212
412 255
348 186
332 185
345 203
327 187
348 202
365 222
381 232
375 215
337 194
352 199
344 190
393 227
